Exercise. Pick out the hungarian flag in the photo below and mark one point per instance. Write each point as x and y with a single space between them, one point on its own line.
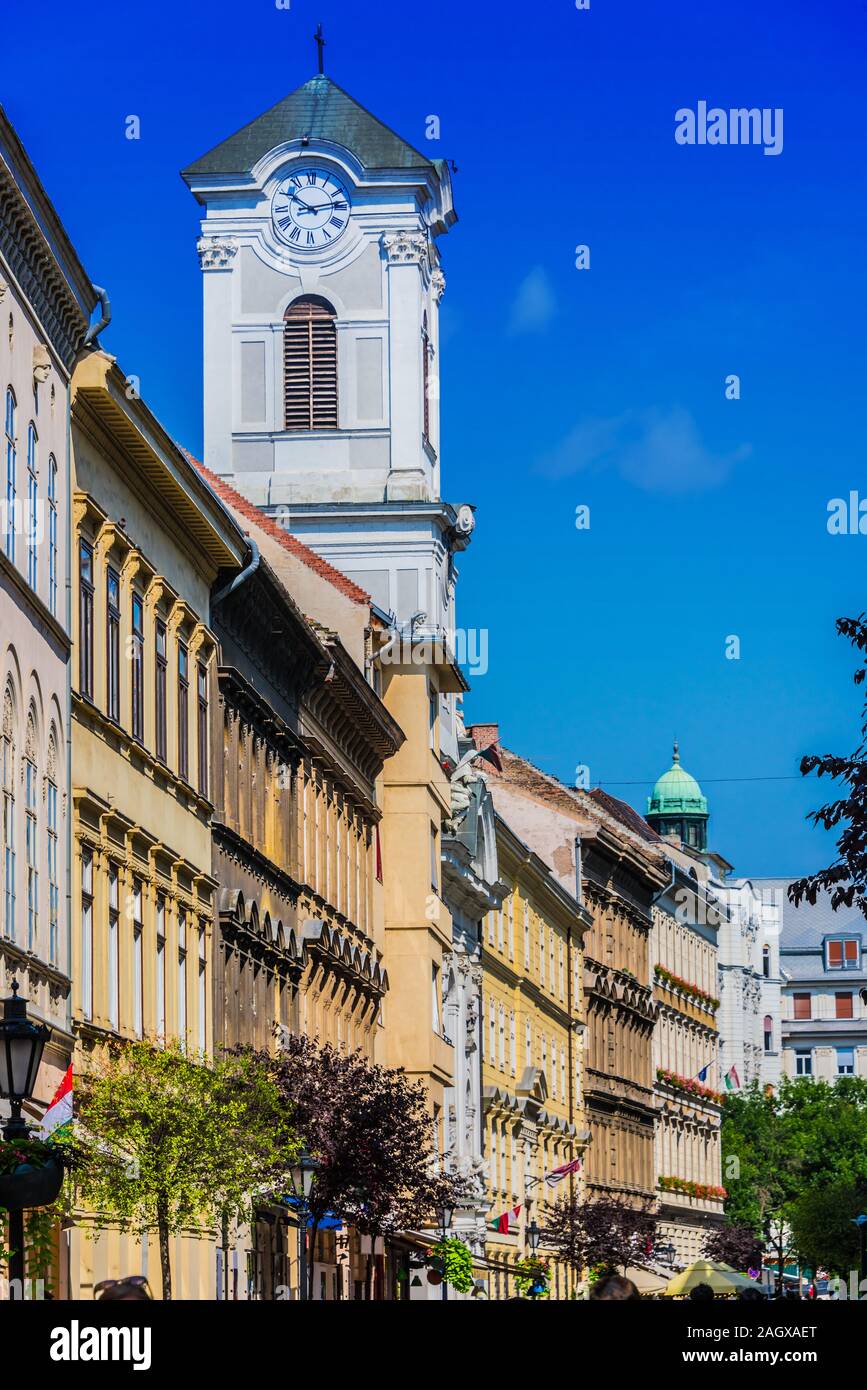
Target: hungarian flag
558 1174
507 1222
57 1120
733 1081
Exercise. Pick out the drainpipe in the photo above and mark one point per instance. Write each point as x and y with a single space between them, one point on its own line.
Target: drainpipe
246 573
96 328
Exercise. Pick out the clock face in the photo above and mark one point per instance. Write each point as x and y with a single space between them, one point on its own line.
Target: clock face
310 209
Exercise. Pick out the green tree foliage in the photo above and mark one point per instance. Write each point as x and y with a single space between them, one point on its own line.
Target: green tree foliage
794 1146
846 879
822 1226
165 1139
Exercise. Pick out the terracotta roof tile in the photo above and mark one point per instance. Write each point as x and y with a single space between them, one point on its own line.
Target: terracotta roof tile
290 543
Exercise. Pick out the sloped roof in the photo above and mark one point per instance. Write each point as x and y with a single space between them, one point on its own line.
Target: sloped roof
805 926
323 111
242 507
626 814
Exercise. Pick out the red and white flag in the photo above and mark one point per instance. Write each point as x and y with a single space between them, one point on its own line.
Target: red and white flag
558 1174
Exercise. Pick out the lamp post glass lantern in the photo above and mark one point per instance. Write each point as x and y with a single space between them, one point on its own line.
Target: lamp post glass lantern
302 1181
22 1044
445 1214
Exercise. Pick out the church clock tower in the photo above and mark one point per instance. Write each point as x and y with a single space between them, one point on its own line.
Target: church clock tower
322 287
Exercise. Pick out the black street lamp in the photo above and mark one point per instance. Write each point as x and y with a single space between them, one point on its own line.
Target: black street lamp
22 1044
306 1171
534 1235
445 1214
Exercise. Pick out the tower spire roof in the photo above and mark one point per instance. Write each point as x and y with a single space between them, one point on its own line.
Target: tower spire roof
319 110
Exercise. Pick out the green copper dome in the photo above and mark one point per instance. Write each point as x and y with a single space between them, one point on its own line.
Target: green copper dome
676 793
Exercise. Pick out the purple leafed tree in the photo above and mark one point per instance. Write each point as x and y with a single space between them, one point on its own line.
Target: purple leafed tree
738 1246
606 1233
368 1131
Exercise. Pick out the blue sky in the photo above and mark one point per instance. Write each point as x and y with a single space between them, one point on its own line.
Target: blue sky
561 387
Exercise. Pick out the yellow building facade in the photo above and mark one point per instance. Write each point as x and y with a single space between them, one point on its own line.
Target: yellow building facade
149 540
531 1028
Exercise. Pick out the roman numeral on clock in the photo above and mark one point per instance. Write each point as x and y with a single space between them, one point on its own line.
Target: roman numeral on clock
336 222
283 221
295 234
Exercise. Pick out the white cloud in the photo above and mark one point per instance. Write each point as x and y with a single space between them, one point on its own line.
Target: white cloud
535 304
660 451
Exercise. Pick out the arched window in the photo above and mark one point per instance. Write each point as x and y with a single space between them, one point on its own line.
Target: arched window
32 494
769 1033
8 770
31 830
310 365
52 533
53 872
10 473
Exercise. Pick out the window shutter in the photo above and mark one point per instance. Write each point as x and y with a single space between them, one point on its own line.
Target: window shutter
310 365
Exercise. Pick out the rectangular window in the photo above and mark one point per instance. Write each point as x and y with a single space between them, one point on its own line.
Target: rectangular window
434 861
137 667
803 1062
160 691
433 715
845 1061
528 1045
492 1032
87 934
513 1043
435 998
31 851
202 723
112 650
526 936
203 994
53 881
511 914
501 1056
85 619
182 977
183 712
113 949
844 954
844 1005
802 1007
52 534
137 962
500 928
161 968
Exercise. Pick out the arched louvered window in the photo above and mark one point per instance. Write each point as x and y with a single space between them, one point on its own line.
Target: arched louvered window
310 365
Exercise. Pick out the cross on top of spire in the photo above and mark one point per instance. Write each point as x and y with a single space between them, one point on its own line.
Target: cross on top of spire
320 44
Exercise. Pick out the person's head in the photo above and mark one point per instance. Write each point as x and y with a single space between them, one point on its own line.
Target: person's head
614 1289
134 1288
702 1293
752 1295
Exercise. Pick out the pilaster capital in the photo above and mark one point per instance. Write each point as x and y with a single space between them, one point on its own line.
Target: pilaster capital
405 248
438 284
216 253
